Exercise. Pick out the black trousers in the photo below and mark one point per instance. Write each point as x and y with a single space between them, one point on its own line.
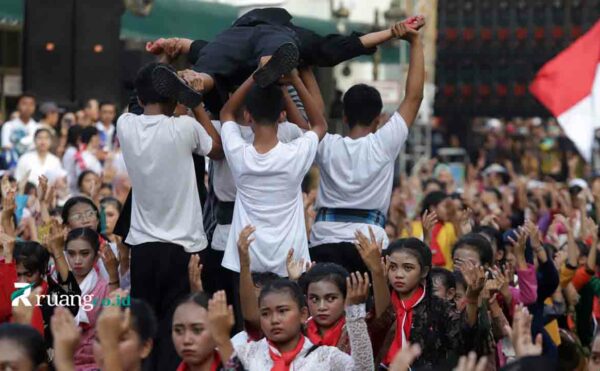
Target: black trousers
159 277
342 253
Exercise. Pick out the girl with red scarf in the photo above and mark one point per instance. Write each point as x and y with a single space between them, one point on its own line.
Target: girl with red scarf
417 316
283 313
192 337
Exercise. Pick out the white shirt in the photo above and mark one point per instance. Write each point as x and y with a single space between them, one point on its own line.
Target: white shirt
223 183
158 154
106 135
269 198
357 174
70 166
16 133
91 163
31 162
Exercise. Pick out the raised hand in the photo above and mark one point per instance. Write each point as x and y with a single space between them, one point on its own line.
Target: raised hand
22 313
66 335
220 318
54 241
429 220
8 245
405 357
369 250
470 363
296 267
111 263
404 32
113 322
519 244
474 278
243 244
534 233
357 288
520 334
195 274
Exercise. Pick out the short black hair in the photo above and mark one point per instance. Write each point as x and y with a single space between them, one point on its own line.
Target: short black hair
429 181
111 201
329 272
265 104
33 256
283 285
198 298
82 176
261 279
477 243
74 134
87 133
66 210
445 276
144 87
362 104
107 103
432 200
28 339
26 94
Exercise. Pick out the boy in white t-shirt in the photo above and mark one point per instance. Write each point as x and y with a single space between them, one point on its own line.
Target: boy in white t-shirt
268 175
356 172
166 214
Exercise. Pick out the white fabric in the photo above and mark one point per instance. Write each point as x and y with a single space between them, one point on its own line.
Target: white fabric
91 163
223 183
580 121
17 132
357 174
31 162
269 198
86 286
158 154
106 135
70 165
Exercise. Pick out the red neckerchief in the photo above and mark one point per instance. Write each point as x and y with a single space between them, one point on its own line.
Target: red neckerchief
282 361
37 318
330 338
404 320
216 363
79 157
438 259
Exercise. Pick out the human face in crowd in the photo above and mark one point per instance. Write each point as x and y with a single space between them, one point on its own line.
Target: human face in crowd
82 216
81 258
466 253
26 108
88 183
405 273
43 141
460 298
325 303
112 215
131 351
441 209
51 118
108 113
27 276
91 110
94 143
81 119
441 291
281 319
191 337
13 357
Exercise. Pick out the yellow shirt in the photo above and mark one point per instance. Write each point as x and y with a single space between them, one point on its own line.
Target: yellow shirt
445 239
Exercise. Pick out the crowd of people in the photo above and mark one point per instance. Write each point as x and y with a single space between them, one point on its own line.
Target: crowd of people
217 225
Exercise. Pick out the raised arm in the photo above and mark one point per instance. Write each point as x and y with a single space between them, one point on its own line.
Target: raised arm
370 252
216 152
235 101
416 73
310 81
293 113
248 299
314 114
373 39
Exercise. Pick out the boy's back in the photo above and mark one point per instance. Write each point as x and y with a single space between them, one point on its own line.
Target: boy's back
158 154
269 198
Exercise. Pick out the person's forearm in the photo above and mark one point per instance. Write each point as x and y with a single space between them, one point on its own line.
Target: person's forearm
293 113
225 349
216 152
236 100
63 360
591 260
248 299
472 310
572 251
381 292
7 224
315 116
416 72
310 81
374 39
61 266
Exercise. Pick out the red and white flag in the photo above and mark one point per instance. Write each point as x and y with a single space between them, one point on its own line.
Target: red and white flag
569 86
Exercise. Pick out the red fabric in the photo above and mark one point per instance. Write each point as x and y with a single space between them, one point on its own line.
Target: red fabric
8 277
37 319
437 258
282 362
560 86
330 338
404 312
216 364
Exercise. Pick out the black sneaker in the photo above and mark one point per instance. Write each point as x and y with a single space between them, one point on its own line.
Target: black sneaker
284 60
167 83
